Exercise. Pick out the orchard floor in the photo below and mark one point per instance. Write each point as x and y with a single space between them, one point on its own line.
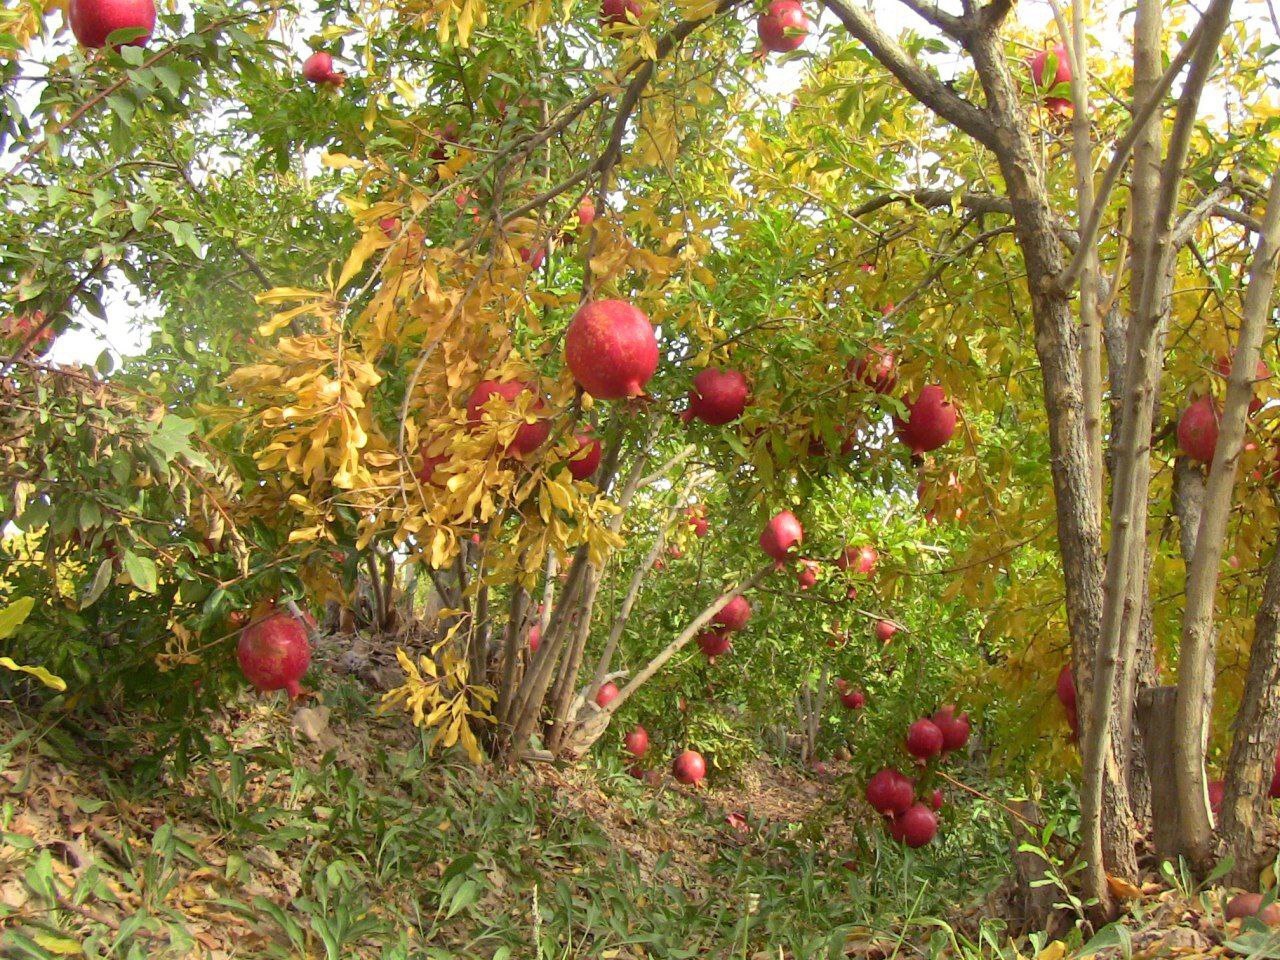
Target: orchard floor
328 833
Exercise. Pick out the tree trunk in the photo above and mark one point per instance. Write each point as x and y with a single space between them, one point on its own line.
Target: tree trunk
1155 722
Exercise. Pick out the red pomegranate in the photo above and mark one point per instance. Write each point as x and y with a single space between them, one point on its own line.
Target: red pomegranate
274 653
446 137
700 526
918 825
1067 687
535 637
924 739
889 792
717 397
530 436
587 210
607 694
1250 905
734 614
390 227
585 459
935 799
1039 62
930 421
1198 430
714 643
689 767
955 730
783 26
617 12
1217 790
859 559
853 699
1260 373
781 535
534 257
637 742
885 629
92 21
808 574
429 465
611 349
877 370
318 68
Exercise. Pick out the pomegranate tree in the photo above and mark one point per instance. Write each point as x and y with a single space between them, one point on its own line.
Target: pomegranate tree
529 436
611 349
783 27
930 421
92 21
689 767
781 535
274 653
717 397
1198 430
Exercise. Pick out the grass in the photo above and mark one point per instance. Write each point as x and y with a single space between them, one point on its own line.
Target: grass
269 846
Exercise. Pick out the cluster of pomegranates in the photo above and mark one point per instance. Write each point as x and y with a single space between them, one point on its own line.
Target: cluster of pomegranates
1198 424
782 27
689 767
912 818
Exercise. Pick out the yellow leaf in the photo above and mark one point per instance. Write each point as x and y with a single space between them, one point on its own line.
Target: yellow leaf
1054 951
59 945
1122 889
40 673
340 161
369 242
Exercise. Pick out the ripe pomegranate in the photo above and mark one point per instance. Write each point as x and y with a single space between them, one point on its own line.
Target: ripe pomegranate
1261 372
859 559
714 643
1038 62
535 637
955 730
92 21
446 137
1198 430
885 629
689 767
611 349
877 370
585 460
534 258
889 792
1250 905
734 614
614 13
274 653
637 742
586 212
607 694
808 574
1217 790
781 535
717 397
1067 687
783 26
918 825
930 421
924 739
530 436
935 799
429 465
318 68
895 830
853 699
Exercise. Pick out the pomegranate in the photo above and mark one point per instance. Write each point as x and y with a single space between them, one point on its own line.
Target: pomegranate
614 13
877 370
853 699
318 68
889 792
859 559
781 535
1250 905
1067 687
1198 430
1038 62
930 421
607 694
1274 792
895 830
714 643
587 212
808 574
92 21
689 767
924 739
611 349
534 257
585 459
734 614
885 629
535 637
637 742
446 137
955 730
783 26
918 825
717 397
529 436
390 227
429 465
274 653
935 799
1260 373
1217 790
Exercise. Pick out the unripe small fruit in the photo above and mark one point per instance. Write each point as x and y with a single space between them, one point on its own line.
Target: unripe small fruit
689 767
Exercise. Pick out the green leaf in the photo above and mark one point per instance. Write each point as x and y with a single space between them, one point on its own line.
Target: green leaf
101 580
141 570
171 436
